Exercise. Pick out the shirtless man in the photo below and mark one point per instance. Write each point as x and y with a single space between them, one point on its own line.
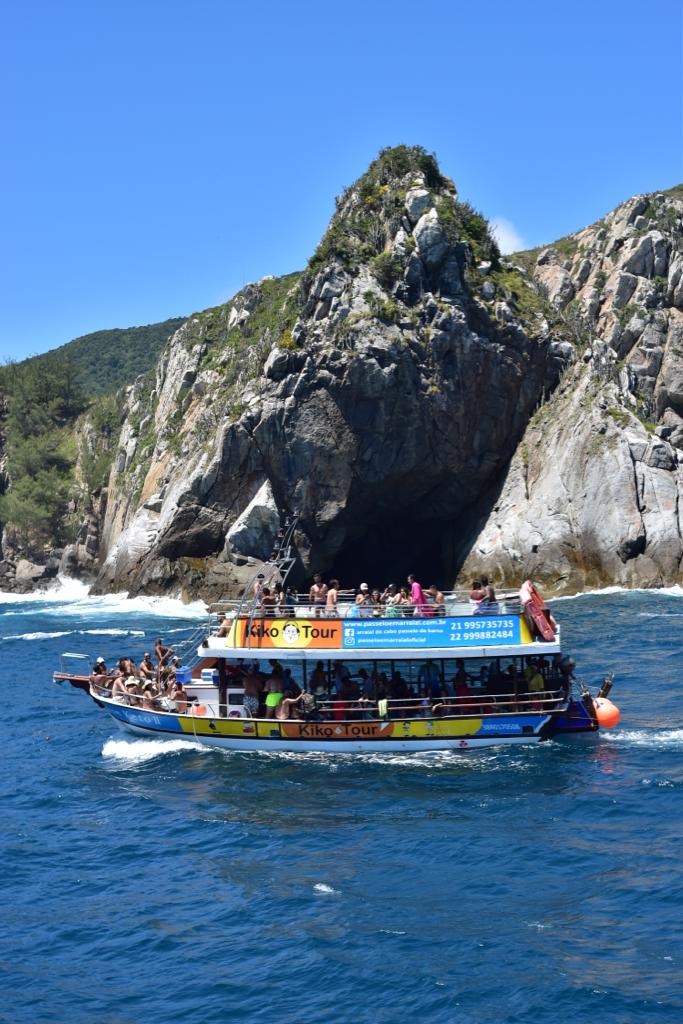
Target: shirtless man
332 598
438 601
274 694
252 694
162 653
146 669
223 626
318 593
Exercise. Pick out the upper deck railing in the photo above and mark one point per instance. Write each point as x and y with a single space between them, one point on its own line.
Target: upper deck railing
299 606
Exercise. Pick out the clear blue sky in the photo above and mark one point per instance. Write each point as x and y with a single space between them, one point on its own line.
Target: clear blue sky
159 155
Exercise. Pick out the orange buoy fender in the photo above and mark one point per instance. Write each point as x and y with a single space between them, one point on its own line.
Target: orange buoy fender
608 714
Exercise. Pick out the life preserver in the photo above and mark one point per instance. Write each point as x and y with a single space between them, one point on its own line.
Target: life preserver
534 606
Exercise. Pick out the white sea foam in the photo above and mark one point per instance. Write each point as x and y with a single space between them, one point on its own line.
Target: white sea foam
647 737
110 632
75 632
325 890
38 636
674 591
67 597
63 589
139 751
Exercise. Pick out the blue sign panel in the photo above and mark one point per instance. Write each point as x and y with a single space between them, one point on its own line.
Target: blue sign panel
469 631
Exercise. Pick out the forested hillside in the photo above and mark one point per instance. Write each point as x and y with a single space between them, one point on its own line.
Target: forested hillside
106 360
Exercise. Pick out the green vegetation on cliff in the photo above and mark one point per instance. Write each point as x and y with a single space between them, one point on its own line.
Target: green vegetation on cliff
41 399
109 359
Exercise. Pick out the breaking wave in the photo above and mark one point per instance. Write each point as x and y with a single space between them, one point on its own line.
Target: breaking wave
69 597
76 632
139 751
675 591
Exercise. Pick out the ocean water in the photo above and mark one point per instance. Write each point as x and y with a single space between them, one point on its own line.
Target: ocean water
146 882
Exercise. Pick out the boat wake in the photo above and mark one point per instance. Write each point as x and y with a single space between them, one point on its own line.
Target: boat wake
138 751
671 738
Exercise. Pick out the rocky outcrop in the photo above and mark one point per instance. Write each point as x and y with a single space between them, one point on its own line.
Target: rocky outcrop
418 402
377 395
591 496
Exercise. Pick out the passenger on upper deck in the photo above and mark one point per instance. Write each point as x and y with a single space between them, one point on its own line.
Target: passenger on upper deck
332 598
318 593
363 601
477 595
488 605
224 626
267 602
438 600
418 598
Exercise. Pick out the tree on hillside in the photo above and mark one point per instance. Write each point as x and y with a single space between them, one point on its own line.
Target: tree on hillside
42 397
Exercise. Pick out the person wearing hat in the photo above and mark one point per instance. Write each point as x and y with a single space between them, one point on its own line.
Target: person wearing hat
363 603
99 678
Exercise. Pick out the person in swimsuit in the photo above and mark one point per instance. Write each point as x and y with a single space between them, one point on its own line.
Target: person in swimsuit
318 594
332 597
252 694
274 694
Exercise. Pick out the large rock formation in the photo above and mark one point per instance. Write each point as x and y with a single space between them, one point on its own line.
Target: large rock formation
378 395
591 496
420 403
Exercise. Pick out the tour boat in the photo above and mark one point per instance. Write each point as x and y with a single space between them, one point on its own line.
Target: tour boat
512 684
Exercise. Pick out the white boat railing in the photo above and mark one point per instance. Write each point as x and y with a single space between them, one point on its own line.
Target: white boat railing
471 706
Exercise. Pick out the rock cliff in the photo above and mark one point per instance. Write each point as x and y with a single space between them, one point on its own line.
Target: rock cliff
378 394
592 495
420 402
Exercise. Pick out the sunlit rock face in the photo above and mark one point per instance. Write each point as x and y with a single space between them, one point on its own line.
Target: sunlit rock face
421 404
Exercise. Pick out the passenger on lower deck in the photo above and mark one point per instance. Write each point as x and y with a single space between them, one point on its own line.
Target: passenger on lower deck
285 708
274 694
252 694
318 681
118 691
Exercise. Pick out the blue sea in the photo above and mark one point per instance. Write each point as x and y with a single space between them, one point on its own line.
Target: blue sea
147 882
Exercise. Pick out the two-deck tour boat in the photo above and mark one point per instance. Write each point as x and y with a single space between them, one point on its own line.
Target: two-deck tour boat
472 677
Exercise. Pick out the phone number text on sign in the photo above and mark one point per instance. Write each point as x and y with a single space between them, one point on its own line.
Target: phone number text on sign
426 633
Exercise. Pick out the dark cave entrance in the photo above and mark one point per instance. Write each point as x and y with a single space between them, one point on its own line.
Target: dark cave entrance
386 552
